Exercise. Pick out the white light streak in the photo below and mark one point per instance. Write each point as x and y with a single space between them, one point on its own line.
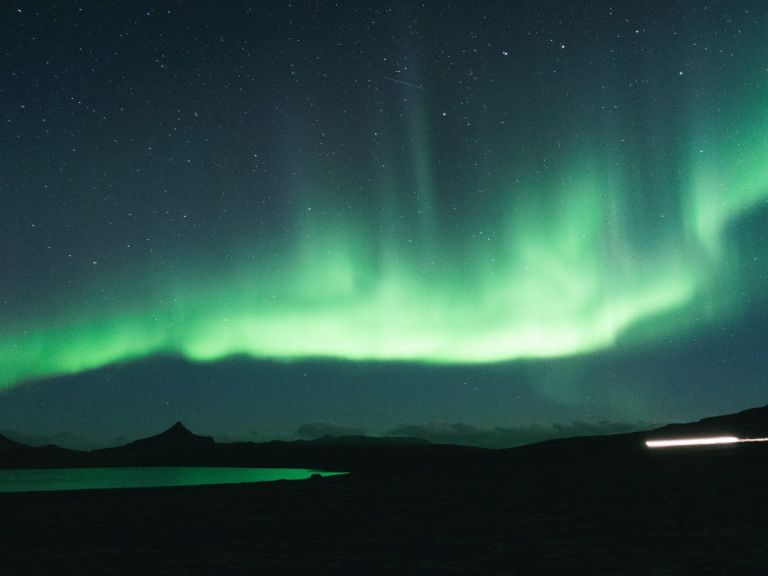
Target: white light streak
753 439
701 441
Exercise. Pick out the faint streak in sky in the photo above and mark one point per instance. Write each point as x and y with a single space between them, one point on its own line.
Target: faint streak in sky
404 83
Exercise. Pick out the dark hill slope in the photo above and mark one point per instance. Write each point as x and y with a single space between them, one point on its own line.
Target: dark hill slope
752 423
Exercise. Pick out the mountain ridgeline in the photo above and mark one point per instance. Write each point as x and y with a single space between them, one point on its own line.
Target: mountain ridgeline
178 446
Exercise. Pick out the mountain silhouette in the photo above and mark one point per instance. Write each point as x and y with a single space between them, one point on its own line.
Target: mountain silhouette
173 447
8 445
178 446
367 440
751 423
177 436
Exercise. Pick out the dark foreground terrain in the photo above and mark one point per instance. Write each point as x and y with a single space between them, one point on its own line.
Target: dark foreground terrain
585 506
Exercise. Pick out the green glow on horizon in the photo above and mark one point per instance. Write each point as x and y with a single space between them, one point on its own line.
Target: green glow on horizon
560 276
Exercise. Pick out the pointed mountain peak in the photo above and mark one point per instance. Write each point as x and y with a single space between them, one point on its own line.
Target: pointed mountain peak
177 435
179 428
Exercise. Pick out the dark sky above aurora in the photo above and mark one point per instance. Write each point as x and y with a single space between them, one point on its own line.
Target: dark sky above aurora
464 220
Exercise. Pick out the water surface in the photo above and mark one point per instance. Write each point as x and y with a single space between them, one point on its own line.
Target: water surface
57 479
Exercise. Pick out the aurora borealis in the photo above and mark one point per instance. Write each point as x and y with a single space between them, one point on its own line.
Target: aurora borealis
438 186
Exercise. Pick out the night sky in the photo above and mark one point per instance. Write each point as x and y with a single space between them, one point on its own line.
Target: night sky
486 222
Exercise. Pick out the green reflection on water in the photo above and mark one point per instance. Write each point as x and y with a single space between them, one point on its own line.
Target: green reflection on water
58 479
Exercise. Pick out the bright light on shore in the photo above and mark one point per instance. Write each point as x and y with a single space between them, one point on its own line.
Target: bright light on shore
692 441
702 441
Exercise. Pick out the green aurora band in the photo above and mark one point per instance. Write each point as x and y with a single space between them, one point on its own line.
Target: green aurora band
559 274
